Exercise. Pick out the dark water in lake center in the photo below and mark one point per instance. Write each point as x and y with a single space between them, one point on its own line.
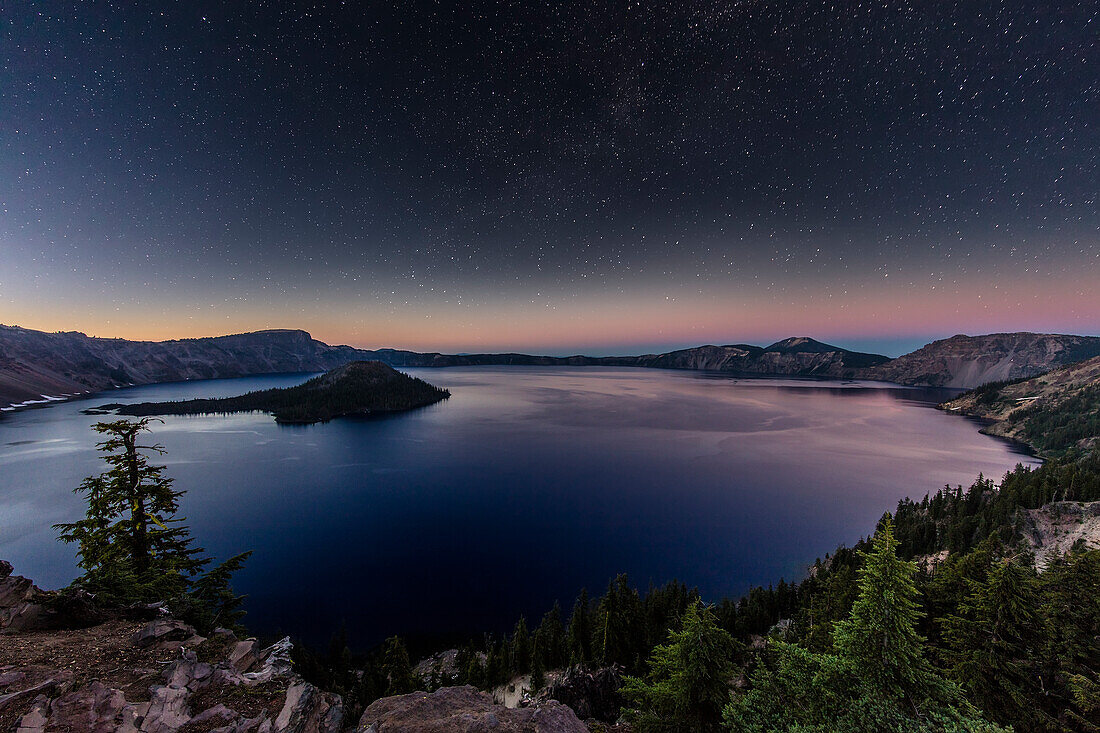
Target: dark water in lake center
524 486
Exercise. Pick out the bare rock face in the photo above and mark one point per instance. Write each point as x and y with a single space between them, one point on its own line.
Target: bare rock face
157 676
20 601
966 362
1054 529
591 693
464 710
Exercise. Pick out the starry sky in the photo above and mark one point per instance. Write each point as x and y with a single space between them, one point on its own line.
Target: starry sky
556 177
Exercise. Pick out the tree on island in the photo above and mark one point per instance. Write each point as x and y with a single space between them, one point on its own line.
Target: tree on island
131 545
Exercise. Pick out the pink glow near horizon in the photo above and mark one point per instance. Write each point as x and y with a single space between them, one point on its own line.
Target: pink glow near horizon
604 324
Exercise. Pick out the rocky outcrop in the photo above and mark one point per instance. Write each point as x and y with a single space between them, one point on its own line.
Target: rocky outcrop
452 709
1056 528
155 676
21 602
593 694
966 362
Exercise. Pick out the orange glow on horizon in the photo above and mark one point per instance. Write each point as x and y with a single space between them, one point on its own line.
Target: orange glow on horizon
596 325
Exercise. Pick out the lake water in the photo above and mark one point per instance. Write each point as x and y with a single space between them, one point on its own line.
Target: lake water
524 486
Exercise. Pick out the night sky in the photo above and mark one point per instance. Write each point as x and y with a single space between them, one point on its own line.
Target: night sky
552 177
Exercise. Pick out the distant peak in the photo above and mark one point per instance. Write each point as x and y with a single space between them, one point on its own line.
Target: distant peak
803 344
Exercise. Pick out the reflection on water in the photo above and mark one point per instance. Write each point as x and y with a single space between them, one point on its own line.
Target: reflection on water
524 486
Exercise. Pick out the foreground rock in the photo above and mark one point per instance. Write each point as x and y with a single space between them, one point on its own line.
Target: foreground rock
154 676
464 710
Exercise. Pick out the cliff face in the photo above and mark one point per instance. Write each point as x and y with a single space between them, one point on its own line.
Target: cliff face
33 363
1055 412
969 361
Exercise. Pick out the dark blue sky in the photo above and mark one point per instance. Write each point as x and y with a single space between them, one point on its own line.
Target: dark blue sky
551 176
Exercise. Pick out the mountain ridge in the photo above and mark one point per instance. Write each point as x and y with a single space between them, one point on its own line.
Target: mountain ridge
37 367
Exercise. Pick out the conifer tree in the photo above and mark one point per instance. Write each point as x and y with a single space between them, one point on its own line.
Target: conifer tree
131 545
520 648
580 630
689 678
550 639
397 668
880 634
878 680
620 625
993 640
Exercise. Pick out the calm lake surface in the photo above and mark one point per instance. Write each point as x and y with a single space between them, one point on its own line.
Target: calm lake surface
523 487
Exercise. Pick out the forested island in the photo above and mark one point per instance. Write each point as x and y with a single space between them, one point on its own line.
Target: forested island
358 388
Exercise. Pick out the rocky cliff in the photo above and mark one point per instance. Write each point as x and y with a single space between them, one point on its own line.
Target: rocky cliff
92 670
969 361
1056 412
35 366
33 363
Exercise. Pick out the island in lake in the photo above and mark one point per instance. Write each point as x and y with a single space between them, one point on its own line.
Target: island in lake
358 388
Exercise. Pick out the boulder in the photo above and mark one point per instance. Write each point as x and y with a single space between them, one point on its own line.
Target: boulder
94 708
464 710
160 631
244 655
20 601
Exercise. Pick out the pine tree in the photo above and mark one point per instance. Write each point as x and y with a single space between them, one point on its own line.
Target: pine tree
993 640
397 668
620 625
878 680
1071 587
880 635
689 678
550 639
131 545
520 648
580 630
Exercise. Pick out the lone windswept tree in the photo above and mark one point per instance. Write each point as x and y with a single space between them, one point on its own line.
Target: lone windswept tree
131 545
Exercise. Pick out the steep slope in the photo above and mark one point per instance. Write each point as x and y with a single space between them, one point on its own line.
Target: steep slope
33 363
1055 413
969 361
